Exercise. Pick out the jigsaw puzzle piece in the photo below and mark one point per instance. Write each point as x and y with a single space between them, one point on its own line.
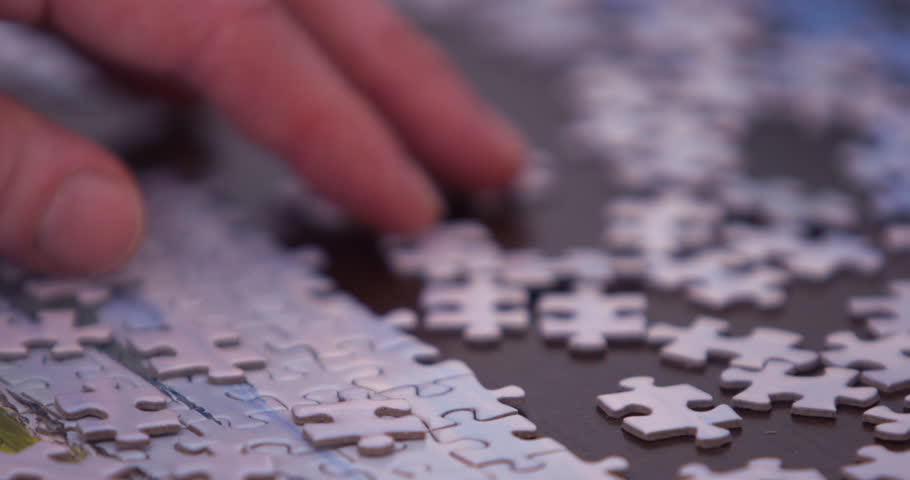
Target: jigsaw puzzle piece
879 463
885 361
418 460
757 469
186 350
668 412
463 392
885 314
56 329
216 464
125 413
373 425
506 440
833 253
482 308
589 319
814 396
889 425
693 345
48 461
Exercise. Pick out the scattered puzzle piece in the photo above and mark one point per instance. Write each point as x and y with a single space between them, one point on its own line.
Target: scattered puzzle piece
885 361
815 396
588 319
889 425
723 287
693 345
185 350
668 412
444 253
886 314
124 413
757 469
835 252
481 308
373 425
879 463
215 464
668 223
56 329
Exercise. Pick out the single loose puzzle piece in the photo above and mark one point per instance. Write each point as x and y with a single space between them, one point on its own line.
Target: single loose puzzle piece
508 440
886 314
373 425
885 361
481 308
50 461
722 287
588 319
56 329
889 425
124 413
671 273
668 412
460 393
666 224
879 463
591 265
834 252
693 345
216 463
528 268
757 469
815 396
763 244
444 253
185 350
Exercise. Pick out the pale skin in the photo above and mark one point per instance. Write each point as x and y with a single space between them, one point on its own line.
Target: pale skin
346 91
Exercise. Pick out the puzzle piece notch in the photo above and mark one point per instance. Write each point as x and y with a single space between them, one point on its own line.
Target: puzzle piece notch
878 463
889 425
756 469
815 396
692 346
589 319
129 421
885 314
185 351
373 425
56 329
668 412
47 461
482 308
885 361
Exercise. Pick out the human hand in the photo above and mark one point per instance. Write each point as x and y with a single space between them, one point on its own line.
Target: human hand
339 88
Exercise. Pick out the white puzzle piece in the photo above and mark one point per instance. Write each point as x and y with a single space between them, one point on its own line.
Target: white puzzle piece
757 469
885 314
588 319
879 463
885 361
56 329
669 412
889 425
814 396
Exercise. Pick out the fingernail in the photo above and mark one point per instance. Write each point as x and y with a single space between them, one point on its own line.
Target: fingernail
92 224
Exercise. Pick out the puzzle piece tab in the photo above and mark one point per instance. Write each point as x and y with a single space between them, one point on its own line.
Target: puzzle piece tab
668 412
889 425
885 314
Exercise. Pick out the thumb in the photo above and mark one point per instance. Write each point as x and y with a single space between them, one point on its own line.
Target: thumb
66 205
